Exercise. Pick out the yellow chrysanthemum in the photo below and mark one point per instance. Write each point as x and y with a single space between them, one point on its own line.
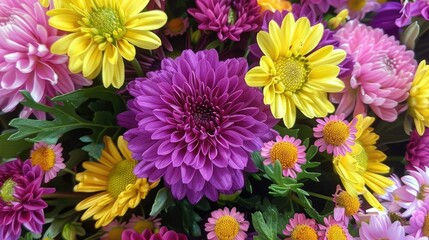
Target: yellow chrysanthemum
292 76
274 5
102 33
362 167
418 101
112 176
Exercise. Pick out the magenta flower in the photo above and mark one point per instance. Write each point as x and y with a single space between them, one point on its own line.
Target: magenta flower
25 60
196 122
381 76
163 234
21 199
300 226
417 153
418 8
380 227
217 16
226 224
288 151
419 222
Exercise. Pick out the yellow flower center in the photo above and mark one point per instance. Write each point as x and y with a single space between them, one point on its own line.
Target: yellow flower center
356 5
121 175
286 153
44 157
291 73
335 232
226 228
349 203
7 190
105 24
425 228
140 226
116 233
303 232
273 5
335 133
359 154
424 191
175 25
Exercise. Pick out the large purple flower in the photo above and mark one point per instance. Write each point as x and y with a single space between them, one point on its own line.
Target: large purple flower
417 154
21 198
229 18
197 122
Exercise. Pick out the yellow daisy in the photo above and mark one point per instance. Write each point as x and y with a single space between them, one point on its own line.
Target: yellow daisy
361 168
274 5
418 101
102 33
113 178
291 76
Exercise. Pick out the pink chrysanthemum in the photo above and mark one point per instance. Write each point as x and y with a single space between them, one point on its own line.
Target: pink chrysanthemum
417 154
228 18
21 200
419 222
335 135
25 60
288 151
395 197
163 234
300 227
381 227
113 231
49 158
226 224
357 9
417 190
333 230
139 223
381 76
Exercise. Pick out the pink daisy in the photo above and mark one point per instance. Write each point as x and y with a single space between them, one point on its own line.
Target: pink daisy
396 196
333 230
176 26
381 75
113 231
419 222
300 227
335 135
49 158
25 60
380 227
357 9
139 223
346 205
288 151
416 184
226 224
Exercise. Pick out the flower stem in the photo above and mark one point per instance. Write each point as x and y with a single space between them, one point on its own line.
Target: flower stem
137 67
320 196
69 171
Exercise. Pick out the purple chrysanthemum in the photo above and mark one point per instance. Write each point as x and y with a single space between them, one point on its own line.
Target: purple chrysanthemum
413 9
21 198
417 153
226 17
196 123
163 234
385 18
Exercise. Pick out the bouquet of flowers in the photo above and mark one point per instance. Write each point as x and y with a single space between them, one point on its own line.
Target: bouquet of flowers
214 119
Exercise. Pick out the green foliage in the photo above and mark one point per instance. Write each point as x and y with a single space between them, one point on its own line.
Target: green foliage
190 219
269 222
10 149
163 200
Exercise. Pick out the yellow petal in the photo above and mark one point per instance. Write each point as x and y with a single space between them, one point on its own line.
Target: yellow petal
123 148
278 107
290 116
79 45
132 7
301 32
275 34
64 19
256 77
267 45
269 94
334 58
143 39
320 53
287 27
373 201
127 50
267 64
113 68
314 36
92 61
150 20
75 64
61 45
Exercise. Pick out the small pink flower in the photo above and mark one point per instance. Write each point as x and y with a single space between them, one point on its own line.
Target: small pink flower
226 224
335 135
139 223
288 151
299 224
49 158
380 227
333 229
346 205
113 230
416 192
176 26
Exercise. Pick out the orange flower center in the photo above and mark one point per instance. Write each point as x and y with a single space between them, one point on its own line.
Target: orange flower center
349 203
335 232
356 5
140 226
303 232
175 25
425 228
226 228
336 133
116 233
274 5
43 157
286 153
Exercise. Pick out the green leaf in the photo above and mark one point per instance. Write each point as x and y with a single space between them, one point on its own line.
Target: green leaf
285 131
260 226
10 149
163 200
308 207
66 119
